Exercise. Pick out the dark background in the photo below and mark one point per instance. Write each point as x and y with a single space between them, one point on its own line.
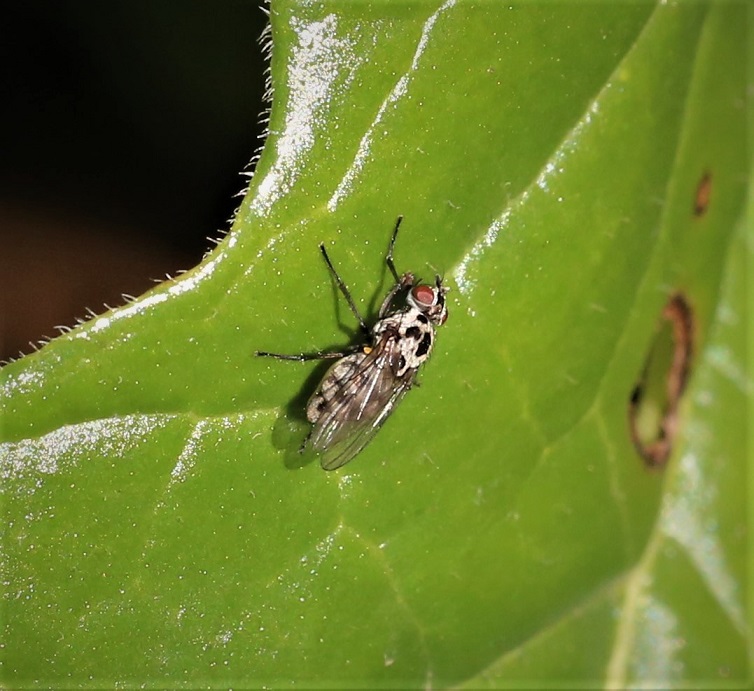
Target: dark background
123 129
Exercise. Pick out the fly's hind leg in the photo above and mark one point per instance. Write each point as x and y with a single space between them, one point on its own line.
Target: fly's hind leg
305 357
302 448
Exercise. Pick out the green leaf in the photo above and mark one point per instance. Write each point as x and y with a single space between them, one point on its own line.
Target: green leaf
568 167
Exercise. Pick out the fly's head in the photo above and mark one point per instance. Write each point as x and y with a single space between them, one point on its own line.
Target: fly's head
430 300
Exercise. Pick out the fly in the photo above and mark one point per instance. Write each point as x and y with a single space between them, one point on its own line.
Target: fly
361 389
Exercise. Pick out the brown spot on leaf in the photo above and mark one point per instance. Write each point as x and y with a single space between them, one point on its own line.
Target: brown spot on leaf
653 405
703 192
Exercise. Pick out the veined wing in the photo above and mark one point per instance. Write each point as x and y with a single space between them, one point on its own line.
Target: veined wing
360 405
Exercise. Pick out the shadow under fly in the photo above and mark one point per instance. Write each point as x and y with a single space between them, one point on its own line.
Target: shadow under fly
367 380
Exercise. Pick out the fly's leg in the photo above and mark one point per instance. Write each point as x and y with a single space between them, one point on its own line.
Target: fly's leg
305 357
344 290
301 357
401 282
302 448
391 246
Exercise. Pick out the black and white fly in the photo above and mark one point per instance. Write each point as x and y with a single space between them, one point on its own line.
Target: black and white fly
358 393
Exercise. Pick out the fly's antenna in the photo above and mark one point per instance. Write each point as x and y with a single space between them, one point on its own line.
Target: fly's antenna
439 277
389 257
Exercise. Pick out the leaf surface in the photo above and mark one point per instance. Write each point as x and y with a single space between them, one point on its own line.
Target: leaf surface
501 529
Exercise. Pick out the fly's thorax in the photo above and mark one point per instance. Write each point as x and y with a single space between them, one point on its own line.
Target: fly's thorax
413 336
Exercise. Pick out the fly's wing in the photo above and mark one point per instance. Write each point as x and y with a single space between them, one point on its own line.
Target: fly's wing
359 406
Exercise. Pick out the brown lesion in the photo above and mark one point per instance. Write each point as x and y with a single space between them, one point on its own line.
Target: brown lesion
703 194
654 402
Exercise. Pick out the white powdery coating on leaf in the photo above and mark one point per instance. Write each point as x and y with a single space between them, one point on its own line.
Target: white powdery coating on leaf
555 166
319 60
462 274
688 517
24 464
399 91
23 384
187 282
658 644
187 458
206 434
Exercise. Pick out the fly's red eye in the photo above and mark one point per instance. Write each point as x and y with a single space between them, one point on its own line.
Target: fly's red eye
424 295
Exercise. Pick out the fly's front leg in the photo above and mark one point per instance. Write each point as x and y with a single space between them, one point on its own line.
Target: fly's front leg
402 282
391 246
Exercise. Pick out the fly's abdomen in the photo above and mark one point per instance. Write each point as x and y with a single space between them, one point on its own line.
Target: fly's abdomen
332 383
